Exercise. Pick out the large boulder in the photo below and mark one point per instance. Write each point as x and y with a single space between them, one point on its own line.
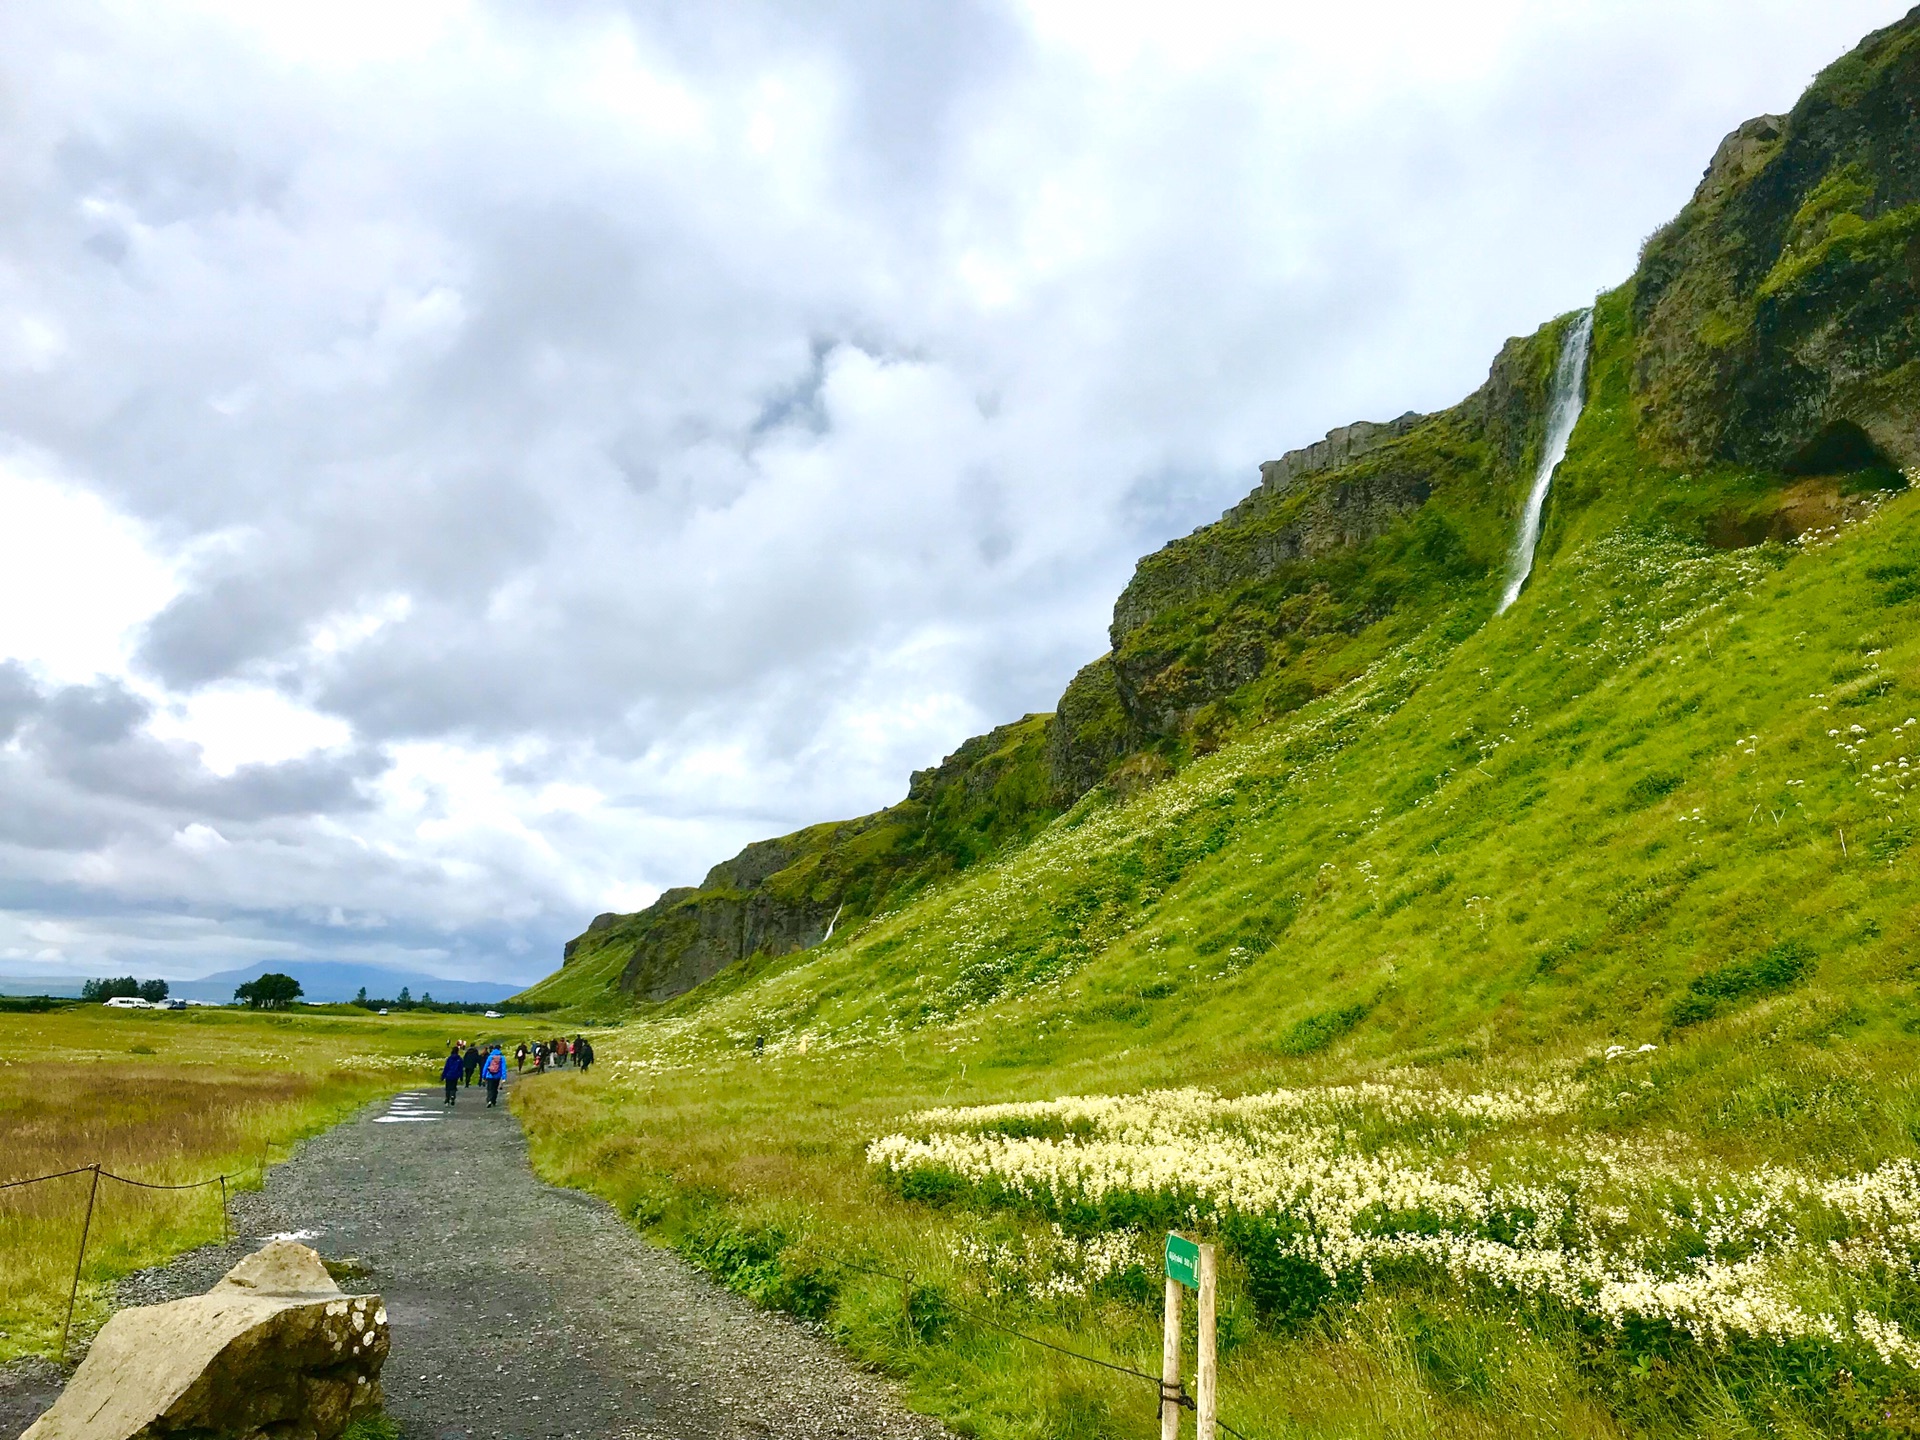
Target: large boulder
275 1349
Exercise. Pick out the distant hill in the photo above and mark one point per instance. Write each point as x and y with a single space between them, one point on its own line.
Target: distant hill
39 985
334 980
319 979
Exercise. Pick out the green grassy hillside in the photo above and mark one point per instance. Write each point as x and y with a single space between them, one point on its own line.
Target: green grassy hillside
1525 1004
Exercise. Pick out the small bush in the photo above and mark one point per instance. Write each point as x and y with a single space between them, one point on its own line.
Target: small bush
1286 1290
762 1263
1773 970
931 1185
1320 1030
1651 788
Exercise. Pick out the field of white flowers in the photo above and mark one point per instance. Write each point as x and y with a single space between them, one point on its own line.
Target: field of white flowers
1359 1180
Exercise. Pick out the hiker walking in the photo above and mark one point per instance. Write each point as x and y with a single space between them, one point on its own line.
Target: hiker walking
583 1053
520 1056
472 1062
451 1073
494 1072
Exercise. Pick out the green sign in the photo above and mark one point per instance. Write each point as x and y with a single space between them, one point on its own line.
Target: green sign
1183 1261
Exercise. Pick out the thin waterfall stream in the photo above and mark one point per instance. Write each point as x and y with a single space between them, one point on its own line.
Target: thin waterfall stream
1563 412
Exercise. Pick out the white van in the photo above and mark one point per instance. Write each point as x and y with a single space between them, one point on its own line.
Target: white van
126 1002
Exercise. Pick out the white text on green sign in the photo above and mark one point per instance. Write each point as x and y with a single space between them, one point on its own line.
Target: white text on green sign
1183 1261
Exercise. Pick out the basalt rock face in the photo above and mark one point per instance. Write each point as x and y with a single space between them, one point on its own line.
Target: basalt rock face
1779 314
1341 447
272 1352
1250 617
779 896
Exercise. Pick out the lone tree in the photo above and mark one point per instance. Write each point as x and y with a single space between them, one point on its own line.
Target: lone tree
153 991
271 991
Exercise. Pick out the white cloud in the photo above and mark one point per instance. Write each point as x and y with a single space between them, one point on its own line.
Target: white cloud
237 725
77 579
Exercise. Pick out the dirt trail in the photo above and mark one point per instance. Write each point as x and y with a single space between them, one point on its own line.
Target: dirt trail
521 1310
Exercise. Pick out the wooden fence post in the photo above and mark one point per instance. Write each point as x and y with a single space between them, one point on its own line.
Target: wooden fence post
1208 1383
73 1293
226 1220
1170 1365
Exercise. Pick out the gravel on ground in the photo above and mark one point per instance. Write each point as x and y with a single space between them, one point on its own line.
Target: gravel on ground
522 1310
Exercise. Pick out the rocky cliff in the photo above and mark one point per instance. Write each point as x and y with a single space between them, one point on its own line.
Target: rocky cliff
1253 616
1778 315
779 896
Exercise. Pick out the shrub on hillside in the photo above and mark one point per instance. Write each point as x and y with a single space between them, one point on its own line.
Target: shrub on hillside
1773 970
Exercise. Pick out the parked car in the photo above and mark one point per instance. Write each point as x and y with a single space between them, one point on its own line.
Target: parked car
383 1009
491 1015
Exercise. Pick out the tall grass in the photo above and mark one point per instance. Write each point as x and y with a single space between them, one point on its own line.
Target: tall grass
168 1099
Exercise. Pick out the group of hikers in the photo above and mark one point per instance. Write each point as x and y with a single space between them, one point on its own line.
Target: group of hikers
465 1060
555 1053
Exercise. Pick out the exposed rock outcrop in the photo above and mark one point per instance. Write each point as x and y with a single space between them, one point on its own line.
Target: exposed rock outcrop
1740 155
782 895
1342 446
273 1350
1779 314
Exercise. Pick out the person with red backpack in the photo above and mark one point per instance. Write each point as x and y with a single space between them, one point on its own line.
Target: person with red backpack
493 1072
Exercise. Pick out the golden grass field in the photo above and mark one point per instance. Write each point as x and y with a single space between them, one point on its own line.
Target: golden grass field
169 1098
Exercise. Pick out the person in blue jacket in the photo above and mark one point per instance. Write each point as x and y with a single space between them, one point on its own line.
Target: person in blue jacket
493 1072
451 1073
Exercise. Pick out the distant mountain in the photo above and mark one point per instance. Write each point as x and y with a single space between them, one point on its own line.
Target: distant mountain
39 985
333 980
319 979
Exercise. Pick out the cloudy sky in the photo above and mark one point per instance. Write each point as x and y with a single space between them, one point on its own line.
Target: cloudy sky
467 466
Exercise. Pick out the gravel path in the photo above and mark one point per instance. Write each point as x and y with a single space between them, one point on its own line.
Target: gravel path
521 1310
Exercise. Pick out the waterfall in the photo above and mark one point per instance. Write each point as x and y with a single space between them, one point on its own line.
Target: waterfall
1563 410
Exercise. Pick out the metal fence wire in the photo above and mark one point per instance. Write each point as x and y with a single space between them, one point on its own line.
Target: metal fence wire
1169 1394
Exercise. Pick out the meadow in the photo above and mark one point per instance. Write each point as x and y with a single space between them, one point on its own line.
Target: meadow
1529 1020
168 1098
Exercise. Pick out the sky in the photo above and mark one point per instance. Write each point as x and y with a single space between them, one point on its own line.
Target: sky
467 466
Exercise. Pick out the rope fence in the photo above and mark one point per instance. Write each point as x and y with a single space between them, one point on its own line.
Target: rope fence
86 1225
1169 1394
